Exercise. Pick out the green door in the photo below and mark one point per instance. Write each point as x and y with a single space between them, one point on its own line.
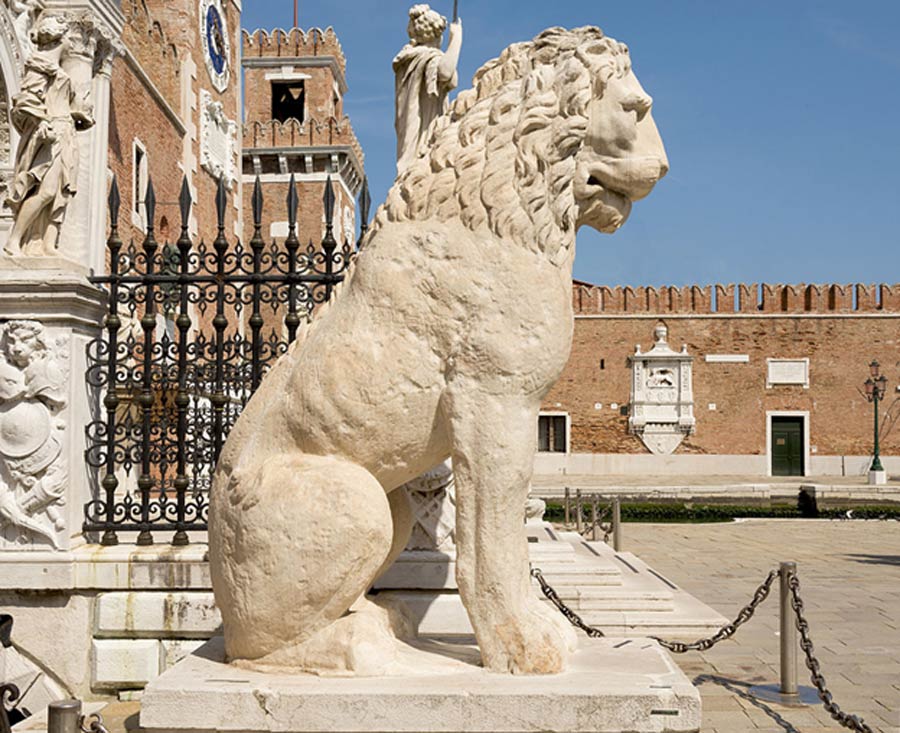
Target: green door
787 446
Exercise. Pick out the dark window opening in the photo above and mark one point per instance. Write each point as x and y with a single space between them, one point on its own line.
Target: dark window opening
552 434
602 364
288 101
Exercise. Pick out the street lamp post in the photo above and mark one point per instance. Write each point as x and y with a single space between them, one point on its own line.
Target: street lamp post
876 387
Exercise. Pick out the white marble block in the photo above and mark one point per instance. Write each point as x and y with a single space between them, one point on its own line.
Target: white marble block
124 663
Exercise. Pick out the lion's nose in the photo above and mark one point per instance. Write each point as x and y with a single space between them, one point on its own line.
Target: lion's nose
663 167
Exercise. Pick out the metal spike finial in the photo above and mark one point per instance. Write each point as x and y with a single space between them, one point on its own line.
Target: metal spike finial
221 202
184 202
328 200
115 201
257 203
292 202
150 203
365 202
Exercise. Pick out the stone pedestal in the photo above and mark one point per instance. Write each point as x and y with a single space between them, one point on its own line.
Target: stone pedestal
611 686
877 478
47 319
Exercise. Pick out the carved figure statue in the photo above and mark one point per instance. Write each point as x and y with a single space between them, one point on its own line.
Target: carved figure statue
32 394
24 13
47 113
454 323
425 75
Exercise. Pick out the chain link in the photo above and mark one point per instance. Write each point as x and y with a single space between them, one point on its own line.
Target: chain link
573 617
606 528
727 631
93 724
853 722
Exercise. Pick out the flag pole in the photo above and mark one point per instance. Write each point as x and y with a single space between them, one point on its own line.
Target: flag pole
455 10
296 14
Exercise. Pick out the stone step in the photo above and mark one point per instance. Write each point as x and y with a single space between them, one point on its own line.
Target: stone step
577 575
643 623
606 599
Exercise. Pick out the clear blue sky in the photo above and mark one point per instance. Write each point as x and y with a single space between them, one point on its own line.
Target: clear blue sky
781 119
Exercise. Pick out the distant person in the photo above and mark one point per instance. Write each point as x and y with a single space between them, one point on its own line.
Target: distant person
425 76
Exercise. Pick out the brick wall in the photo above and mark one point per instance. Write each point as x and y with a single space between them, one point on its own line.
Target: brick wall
839 328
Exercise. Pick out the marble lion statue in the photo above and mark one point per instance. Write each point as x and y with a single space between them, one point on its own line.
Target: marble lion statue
453 325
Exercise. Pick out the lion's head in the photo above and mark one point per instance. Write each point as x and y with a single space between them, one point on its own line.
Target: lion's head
555 134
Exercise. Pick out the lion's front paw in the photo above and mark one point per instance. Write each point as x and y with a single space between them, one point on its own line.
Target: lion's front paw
528 644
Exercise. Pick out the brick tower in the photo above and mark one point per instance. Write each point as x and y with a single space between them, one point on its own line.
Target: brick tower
294 86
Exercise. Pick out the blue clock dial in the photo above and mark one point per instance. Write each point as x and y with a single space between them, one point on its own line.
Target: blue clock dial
215 40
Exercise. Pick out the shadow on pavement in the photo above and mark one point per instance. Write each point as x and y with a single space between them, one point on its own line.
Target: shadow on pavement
742 690
876 559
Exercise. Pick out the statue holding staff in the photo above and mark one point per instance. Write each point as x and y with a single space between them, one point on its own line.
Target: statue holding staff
425 76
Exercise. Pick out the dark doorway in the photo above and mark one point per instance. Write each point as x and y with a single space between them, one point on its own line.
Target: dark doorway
787 446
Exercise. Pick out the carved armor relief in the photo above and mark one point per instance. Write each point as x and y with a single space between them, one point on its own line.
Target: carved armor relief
33 471
432 499
662 401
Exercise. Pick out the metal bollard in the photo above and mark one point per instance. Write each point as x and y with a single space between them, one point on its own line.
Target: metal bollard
789 643
617 524
568 500
578 509
64 717
595 525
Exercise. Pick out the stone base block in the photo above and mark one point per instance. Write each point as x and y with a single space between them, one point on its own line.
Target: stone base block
612 686
877 478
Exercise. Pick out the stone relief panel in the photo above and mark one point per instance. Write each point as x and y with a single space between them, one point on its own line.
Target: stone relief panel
218 140
33 471
662 399
432 499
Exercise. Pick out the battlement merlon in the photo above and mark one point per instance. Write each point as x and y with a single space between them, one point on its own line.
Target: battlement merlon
311 48
741 299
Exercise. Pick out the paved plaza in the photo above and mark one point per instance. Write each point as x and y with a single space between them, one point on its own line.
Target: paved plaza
850 582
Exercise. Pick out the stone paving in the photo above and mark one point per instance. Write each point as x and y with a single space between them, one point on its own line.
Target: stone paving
850 583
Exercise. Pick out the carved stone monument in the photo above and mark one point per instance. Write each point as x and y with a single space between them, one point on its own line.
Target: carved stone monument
49 312
662 396
425 76
419 358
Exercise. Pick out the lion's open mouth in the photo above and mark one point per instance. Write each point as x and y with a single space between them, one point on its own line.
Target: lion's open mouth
633 178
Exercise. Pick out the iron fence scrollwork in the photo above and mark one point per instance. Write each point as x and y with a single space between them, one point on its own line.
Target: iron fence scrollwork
190 332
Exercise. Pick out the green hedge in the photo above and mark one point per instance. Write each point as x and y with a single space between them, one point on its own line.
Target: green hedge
699 513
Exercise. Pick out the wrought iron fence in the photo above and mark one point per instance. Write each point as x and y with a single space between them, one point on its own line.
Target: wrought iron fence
190 332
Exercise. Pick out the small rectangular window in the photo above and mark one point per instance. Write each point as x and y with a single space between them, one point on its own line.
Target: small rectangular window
138 169
288 101
552 434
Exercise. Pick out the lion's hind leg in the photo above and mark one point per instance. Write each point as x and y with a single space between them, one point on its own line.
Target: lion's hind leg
293 544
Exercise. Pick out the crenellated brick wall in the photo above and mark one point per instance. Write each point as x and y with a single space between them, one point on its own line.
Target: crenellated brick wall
294 43
591 299
291 134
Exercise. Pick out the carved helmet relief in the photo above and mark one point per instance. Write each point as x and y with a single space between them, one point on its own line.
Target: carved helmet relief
33 377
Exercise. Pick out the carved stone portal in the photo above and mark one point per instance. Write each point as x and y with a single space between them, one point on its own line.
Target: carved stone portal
33 473
662 397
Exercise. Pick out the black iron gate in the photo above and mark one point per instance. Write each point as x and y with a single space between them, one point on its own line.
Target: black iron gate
190 332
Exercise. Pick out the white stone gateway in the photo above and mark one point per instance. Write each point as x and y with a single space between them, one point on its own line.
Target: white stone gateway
662 396
422 356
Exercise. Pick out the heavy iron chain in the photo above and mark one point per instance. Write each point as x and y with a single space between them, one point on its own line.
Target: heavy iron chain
853 722
573 617
727 631
847 720
93 724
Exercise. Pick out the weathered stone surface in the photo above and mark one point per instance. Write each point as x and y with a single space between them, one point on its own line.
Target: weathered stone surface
122 663
157 615
613 685
384 384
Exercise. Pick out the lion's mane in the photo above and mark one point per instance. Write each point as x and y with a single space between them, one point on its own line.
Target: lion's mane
524 120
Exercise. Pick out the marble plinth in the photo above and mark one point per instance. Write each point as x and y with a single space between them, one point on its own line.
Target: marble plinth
612 686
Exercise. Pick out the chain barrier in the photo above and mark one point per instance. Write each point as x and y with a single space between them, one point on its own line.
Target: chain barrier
852 722
554 598
727 631
847 720
93 724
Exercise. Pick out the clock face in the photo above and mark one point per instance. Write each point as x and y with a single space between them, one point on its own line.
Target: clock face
214 33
